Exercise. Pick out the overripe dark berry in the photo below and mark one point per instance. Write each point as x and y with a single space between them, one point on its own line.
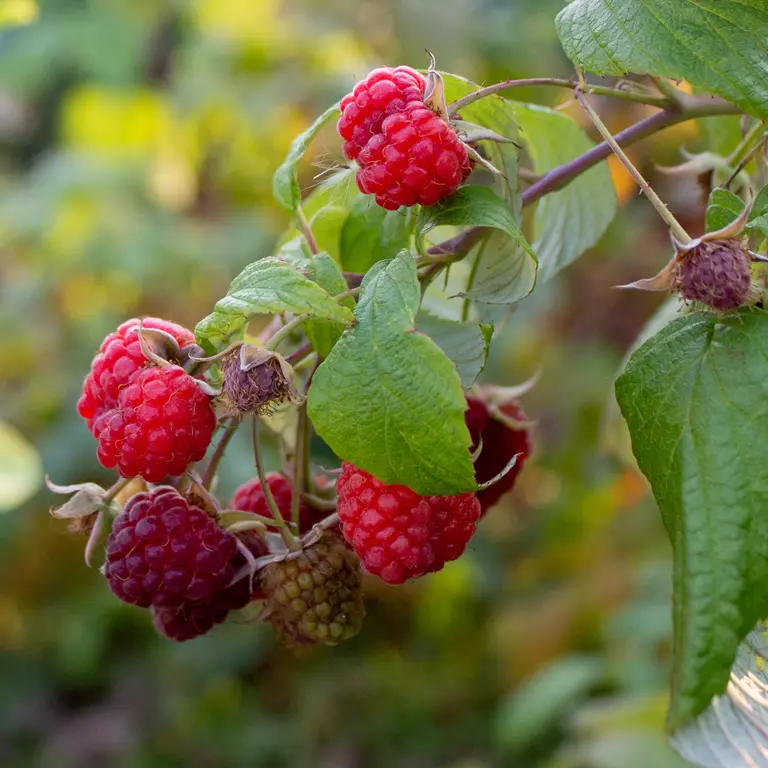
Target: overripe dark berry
398 534
500 443
119 357
315 597
162 422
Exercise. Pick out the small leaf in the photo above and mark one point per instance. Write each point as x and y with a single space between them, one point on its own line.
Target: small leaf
466 344
718 45
507 272
733 731
387 398
758 216
569 221
371 234
695 397
267 286
723 208
21 470
285 185
323 334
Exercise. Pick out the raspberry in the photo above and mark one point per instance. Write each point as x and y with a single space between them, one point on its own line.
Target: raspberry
417 158
119 357
399 534
716 273
384 92
500 444
162 551
316 597
162 423
249 497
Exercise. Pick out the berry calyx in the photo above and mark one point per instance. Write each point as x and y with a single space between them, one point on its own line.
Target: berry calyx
501 442
250 497
382 93
398 534
316 596
119 357
417 158
163 551
162 422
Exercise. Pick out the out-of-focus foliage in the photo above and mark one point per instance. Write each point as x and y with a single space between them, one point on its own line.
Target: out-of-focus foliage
137 145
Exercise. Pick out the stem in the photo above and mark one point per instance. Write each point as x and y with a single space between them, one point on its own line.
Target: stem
745 147
290 540
637 96
665 87
471 281
742 165
279 335
299 353
674 225
346 294
299 455
306 230
218 454
113 490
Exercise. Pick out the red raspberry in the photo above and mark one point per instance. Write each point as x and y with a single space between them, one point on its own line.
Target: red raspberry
384 92
250 498
500 444
398 534
163 551
162 423
417 158
119 357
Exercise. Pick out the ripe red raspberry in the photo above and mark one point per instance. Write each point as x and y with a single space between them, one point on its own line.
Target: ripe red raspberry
119 357
398 534
249 497
417 158
384 92
316 596
162 551
500 444
162 423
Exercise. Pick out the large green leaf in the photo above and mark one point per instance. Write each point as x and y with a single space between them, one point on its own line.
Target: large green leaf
507 268
695 397
466 344
267 286
574 219
719 45
285 185
387 398
372 234
733 731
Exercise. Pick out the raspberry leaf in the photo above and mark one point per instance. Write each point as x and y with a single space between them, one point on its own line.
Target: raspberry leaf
718 46
371 234
572 220
387 398
695 397
466 344
723 208
323 334
267 286
285 184
506 272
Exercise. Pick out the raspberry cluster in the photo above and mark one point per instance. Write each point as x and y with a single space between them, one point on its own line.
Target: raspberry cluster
406 153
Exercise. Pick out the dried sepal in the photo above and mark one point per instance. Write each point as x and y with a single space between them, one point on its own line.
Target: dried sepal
434 93
87 500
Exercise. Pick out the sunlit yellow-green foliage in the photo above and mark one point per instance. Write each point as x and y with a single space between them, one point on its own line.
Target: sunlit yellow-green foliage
138 140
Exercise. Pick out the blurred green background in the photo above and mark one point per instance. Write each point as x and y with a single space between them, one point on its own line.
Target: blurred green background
137 143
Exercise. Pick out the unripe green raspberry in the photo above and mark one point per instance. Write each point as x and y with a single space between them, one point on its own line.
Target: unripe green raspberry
315 598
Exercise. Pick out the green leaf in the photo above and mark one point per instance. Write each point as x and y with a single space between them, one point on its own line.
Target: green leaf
569 221
323 334
267 286
499 115
466 344
733 730
695 397
758 216
507 269
326 226
387 398
21 469
718 45
285 184
721 132
723 207
371 234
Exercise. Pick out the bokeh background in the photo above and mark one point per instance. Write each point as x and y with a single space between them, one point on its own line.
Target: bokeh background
137 143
